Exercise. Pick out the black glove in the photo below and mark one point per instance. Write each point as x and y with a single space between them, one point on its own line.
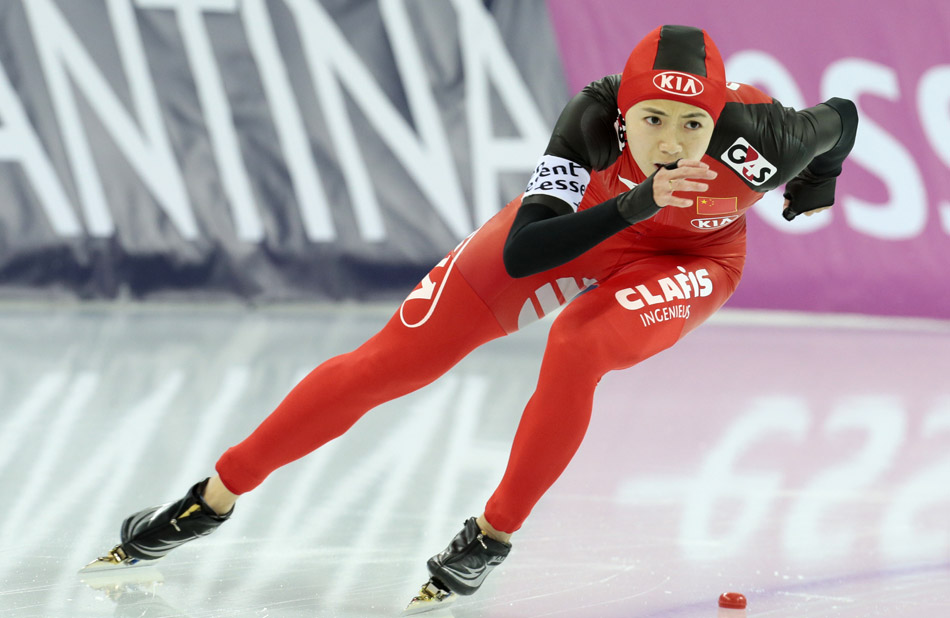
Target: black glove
637 204
808 192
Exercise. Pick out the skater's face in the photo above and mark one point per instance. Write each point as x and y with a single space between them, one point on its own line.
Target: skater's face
660 131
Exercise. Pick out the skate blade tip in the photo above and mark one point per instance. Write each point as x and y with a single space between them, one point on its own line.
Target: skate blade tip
426 605
110 564
100 565
97 566
437 611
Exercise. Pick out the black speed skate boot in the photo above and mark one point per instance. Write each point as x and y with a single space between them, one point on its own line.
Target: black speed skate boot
153 532
460 569
467 561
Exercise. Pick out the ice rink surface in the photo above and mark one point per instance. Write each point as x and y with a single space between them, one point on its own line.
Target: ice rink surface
801 461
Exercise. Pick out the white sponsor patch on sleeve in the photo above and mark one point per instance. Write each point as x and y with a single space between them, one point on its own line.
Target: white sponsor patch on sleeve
560 178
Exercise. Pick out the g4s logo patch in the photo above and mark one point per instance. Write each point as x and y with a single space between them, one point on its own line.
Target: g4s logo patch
748 162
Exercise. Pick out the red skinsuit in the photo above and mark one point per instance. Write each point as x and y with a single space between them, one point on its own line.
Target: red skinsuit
655 282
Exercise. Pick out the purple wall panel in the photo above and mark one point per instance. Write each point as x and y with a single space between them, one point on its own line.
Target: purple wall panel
885 246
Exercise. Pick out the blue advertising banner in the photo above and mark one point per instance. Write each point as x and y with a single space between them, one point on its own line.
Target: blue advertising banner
260 149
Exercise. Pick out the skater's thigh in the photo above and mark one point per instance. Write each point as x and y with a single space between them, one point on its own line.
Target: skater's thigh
643 309
439 322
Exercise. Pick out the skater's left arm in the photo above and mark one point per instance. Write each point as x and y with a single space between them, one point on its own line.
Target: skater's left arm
818 140
541 238
548 229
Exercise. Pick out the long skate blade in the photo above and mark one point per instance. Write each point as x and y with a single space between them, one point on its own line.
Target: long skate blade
431 598
118 579
103 564
115 559
424 607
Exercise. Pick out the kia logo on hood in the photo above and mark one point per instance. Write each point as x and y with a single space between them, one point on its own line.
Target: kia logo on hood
674 82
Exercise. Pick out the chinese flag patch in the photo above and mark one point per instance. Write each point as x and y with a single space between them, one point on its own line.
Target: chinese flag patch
716 205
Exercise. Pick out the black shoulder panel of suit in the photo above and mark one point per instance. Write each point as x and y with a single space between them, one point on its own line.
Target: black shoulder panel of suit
586 130
787 139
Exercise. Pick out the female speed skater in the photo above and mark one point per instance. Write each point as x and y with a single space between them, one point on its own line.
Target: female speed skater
639 201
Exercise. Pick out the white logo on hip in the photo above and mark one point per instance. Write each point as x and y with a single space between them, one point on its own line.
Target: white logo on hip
682 84
429 290
560 178
746 160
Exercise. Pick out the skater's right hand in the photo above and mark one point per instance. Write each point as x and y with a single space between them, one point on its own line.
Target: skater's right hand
680 177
